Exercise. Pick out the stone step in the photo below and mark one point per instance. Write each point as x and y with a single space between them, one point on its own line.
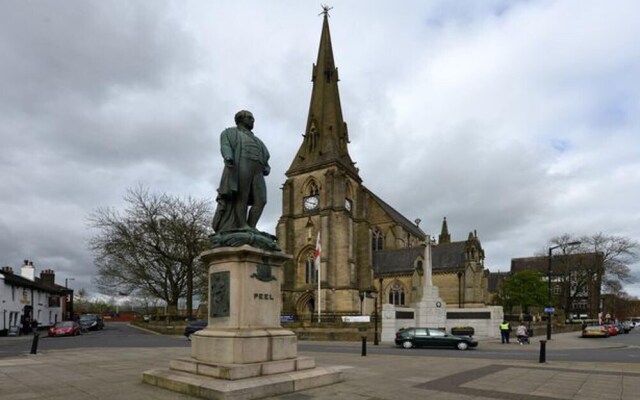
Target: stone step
205 387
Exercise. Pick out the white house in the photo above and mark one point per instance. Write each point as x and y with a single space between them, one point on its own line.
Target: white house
25 298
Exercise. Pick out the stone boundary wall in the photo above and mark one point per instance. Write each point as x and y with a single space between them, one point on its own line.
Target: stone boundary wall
484 327
489 327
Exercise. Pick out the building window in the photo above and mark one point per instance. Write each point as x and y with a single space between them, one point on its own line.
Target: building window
310 269
396 294
377 240
420 267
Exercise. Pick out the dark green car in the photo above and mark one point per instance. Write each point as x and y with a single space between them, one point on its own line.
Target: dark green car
432 337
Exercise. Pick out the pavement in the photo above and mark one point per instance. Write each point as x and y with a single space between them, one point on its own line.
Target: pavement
115 373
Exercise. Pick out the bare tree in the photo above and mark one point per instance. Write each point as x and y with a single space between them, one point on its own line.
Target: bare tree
151 248
618 252
600 264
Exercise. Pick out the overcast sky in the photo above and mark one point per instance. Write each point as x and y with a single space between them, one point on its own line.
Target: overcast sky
519 119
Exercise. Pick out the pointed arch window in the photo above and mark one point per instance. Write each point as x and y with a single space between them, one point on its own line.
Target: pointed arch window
397 294
310 269
420 267
313 189
377 240
348 202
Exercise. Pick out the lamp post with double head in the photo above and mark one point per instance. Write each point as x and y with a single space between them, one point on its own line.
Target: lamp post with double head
549 308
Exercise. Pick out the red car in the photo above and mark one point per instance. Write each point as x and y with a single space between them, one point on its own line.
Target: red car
611 329
65 328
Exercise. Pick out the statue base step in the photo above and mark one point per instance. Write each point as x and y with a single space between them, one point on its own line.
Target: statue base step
241 381
243 346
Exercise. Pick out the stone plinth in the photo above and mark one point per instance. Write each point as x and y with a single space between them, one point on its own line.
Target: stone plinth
431 311
243 353
244 308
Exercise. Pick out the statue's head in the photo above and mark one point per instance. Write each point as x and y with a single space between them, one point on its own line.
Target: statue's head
245 119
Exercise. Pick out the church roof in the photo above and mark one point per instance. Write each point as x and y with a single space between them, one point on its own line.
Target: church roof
399 261
448 256
397 217
325 136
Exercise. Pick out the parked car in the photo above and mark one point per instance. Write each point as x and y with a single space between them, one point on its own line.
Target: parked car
193 327
64 328
623 327
595 331
611 329
432 337
91 322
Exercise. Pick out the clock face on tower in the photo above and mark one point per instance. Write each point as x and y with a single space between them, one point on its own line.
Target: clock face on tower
311 203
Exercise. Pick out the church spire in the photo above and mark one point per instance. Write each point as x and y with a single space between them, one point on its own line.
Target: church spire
444 233
326 136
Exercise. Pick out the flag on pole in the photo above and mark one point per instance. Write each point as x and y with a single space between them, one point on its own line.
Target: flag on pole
316 259
318 252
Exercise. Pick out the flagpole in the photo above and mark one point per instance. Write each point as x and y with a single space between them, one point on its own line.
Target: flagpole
318 269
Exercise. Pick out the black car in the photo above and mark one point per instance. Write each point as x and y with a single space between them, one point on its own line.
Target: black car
91 322
432 337
194 326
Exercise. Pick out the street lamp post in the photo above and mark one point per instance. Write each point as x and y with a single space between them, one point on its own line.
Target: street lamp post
549 313
66 295
361 302
378 313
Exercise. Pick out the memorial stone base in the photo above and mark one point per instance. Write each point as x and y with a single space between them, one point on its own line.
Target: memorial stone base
243 353
431 311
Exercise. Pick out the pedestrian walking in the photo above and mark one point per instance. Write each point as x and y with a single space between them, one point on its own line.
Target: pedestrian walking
522 333
505 329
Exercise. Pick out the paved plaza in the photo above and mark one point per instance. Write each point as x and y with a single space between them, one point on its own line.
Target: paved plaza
113 373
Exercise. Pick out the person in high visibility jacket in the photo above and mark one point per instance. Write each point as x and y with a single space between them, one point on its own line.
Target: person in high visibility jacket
505 329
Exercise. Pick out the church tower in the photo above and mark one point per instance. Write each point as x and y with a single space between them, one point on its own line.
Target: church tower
323 195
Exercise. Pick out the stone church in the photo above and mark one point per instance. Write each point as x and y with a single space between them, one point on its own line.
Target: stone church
365 242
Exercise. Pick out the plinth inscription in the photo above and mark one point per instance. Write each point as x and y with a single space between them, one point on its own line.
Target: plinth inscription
219 299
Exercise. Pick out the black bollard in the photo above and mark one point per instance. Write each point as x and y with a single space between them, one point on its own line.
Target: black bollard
543 351
34 344
364 346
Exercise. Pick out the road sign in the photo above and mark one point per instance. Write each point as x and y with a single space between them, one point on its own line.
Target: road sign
549 310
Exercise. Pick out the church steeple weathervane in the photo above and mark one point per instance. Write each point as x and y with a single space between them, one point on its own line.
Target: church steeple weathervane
325 10
326 135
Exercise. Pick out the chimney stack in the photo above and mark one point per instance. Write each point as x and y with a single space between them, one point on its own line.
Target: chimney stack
48 277
7 270
28 271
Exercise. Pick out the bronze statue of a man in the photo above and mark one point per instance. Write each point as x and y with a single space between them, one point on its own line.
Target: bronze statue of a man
242 194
